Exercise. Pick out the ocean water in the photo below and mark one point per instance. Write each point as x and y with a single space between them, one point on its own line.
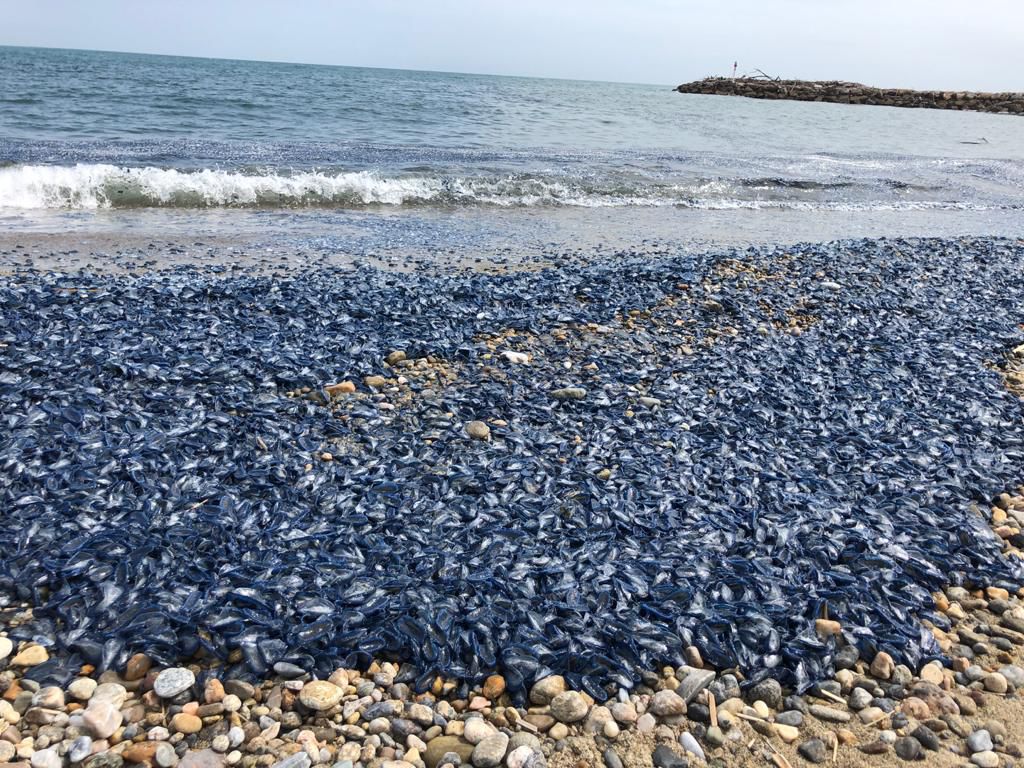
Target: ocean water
364 159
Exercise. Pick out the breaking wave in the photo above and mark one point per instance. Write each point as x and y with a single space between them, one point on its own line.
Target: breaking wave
97 186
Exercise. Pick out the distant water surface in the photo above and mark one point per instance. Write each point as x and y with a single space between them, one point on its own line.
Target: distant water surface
89 139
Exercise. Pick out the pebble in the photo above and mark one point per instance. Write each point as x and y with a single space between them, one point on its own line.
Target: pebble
490 752
829 714
611 758
688 743
908 748
986 759
995 683
46 758
696 680
6 646
667 703
546 689
979 741
82 688
769 691
478 430
928 739
477 729
186 723
664 757
101 719
814 751
320 695
859 699
787 733
882 666
79 749
569 707
32 656
791 717
173 681
559 731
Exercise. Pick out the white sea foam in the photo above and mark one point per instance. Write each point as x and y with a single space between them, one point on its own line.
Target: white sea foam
97 186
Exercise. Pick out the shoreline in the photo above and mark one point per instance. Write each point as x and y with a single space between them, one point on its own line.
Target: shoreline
657 353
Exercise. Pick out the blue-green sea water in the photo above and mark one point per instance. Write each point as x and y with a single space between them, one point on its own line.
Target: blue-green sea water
110 141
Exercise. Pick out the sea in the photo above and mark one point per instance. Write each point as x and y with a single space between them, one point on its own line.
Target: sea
363 161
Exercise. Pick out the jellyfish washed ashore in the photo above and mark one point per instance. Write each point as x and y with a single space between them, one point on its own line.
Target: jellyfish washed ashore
581 470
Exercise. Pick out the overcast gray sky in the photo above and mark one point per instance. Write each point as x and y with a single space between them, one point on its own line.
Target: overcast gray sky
910 43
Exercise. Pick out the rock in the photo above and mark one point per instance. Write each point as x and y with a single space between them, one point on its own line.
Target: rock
792 717
859 699
874 748
207 758
769 691
104 760
829 714
165 756
32 656
517 358
143 752
239 688
908 748
882 666
569 393
173 681
138 667
813 751
477 729
558 731
493 687
101 719
927 738
46 758
664 757
438 746
297 760
714 736
394 358
110 693
995 683
687 742
787 733
846 657
624 712
569 707
596 720
490 752
646 723
987 759
82 688
320 695
611 759
525 757
186 723
545 690
979 741
478 430
1014 675
610 729
79 749
932 673
213 691
696 680
48 697
6 646
667 703
375 382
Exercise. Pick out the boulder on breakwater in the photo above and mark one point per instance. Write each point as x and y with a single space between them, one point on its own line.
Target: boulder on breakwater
855 93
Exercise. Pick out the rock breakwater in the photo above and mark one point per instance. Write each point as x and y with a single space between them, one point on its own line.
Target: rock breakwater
854 93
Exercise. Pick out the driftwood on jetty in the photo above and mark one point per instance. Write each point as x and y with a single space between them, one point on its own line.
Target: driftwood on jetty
855 93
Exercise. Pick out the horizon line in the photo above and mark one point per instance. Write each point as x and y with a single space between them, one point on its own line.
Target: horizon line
337 66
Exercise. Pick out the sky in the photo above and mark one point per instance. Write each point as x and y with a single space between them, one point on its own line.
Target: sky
947 44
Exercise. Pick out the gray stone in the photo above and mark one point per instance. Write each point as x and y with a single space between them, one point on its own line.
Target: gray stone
979 741
207 758
793 717
490 752
298 760
687 742
769 691
987 759
612 759
46 758
80 749
165 756
664 757
696 680
814 751
104 760
859 699
908 748
1013 675
569 393
927 737
173 681
101 719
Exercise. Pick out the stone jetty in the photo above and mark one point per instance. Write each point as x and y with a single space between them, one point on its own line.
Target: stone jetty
854 93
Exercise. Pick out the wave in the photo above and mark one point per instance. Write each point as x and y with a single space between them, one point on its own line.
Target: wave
98 186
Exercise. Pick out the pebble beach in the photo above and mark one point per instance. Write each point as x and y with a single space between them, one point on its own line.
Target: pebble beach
747 507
